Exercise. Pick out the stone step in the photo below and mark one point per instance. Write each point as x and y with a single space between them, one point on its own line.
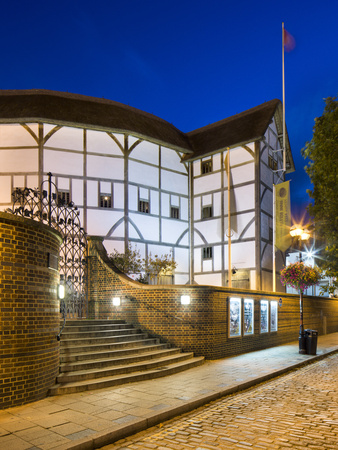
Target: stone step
93 328
102 346
97 364
98 333
80 343
100 383
89 374
121 350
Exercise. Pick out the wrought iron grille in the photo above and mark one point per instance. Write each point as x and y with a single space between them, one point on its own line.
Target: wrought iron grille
47 207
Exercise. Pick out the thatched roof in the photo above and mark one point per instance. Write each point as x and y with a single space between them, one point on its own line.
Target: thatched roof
82 111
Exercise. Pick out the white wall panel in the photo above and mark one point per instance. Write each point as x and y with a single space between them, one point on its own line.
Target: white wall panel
197 208
266 200
118 192
242 254
63 183
67 138
209 279
147 225
154 202
240 155
197 260
182 259
92 193
165 203
172 160
196 168
147 152
100 221
19 181
241 174
210 229
105 167
172 230
5 189
216 162
184 208
207 265
245 198
217 257
14 135
217 201
174 182
101 142
133 198
143 174
62 162
77 192
207 183
23 160
32 181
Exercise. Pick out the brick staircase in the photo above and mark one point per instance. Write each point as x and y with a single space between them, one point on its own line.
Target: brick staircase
96 354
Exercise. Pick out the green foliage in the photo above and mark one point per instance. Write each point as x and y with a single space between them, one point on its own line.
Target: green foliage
322 155
131 262
128 262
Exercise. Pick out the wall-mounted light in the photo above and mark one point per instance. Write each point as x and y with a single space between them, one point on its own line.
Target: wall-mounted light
61 291
185 299
116 301
234 270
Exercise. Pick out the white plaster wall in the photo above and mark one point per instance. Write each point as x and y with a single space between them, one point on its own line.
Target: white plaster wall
143 174
14 135
241 174
171 159
67 138
197 208
197 260
92 193
165 204
100 221
196 166
154 202
207 265
19 160
207 183
146 152
66 163
174 182
105 167
266 200
240 155
32 181
242 222
217 257
210 229
172 230
182 259
118 195
184 208
19 181
245 198
210 279
5 190
101 142
133 198
242 254
77 192
216 162
147 225
217 203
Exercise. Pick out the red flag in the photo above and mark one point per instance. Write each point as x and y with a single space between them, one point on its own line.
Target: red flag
289 41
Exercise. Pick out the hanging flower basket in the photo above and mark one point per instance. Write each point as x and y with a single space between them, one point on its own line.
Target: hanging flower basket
299 276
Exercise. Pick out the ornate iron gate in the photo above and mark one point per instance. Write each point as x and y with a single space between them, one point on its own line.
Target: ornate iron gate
48 207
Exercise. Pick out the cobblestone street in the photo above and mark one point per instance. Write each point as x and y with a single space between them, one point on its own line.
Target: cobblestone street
298 410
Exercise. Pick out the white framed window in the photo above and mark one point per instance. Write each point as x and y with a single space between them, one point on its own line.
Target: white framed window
235 316
207 253
105 201
264 316
248 319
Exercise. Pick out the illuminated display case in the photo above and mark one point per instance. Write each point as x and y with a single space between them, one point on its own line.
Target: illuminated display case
235 315
248 316
273 316
264 316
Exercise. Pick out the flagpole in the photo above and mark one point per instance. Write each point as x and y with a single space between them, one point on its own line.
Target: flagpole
274 239
283 82
229 224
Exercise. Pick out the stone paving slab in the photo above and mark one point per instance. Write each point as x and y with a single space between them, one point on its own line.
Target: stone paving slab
92 419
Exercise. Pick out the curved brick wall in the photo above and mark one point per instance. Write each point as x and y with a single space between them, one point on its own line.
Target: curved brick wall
29 310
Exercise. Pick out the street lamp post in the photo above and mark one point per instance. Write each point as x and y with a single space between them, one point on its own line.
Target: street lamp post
301 234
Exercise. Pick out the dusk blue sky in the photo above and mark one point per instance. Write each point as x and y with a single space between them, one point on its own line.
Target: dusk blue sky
191 63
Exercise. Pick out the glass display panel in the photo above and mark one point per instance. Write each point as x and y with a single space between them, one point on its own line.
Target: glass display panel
248 316
264 316
235 316
273 316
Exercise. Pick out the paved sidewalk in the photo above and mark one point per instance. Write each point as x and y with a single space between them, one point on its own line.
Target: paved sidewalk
92 419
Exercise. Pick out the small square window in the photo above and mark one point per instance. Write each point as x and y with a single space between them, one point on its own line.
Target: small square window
105 201
206 212
206 166
63 198
207 252
272 163
174 212
143 206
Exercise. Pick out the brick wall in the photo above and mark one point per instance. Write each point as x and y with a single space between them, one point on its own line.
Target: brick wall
29 310
202 326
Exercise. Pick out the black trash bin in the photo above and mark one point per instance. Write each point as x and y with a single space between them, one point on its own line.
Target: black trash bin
311 341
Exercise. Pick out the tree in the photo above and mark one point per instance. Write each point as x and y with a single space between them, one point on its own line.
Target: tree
130 262
322 155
